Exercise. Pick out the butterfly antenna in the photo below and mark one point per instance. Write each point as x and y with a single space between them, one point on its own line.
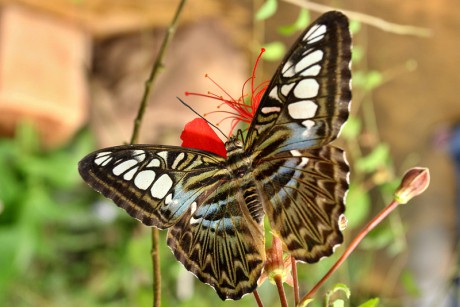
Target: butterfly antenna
202 117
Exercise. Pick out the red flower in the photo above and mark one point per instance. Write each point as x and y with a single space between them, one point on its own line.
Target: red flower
199 135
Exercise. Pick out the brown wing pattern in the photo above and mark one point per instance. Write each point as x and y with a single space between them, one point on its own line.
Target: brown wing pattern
219 242
304 193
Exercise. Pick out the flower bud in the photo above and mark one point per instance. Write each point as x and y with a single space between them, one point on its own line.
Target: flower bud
276 264
414 182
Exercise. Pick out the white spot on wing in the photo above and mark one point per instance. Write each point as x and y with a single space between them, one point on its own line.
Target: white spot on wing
139 155
312 71
106 161
315 34
309 59
161 186
306 88
302 109
308 124
154 163
123 167
274 93
129 175
295 153
192 211
288 69
144 179
303 160
101 157
178 159
163 155
267 110
285 89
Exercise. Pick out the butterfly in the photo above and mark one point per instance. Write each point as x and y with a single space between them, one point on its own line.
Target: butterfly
284 168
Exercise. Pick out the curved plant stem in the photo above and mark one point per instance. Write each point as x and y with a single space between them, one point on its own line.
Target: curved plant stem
257 297
367 19
157 66
295 280
279 284
371 225
156 268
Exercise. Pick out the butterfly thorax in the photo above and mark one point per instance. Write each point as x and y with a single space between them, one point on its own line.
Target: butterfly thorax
239 164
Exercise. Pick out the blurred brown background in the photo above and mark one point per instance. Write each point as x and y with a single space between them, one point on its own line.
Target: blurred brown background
86 61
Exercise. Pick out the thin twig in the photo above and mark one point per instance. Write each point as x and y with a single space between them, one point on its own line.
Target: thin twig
279 284
157 65
367 19
295 280
257 297
371 225
156 268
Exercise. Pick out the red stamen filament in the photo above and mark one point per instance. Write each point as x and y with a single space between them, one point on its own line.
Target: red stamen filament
242 111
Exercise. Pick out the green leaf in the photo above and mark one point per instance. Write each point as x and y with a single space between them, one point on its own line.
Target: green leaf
367 80
409 283
375 159
26 138
358 206
307 302
267 10
338 303
352 128
374 79
301 23
370 303
357 56
274 51
354 27
378 238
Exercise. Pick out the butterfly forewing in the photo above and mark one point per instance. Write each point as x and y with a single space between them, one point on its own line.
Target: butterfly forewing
154 184
307 100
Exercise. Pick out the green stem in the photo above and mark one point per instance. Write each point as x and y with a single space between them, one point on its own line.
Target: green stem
157 66
156 268
371 225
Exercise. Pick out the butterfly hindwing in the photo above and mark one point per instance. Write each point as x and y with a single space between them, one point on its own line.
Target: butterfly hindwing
220 242
307 100
304 199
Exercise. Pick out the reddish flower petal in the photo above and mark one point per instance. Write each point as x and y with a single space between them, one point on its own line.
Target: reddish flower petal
198 134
